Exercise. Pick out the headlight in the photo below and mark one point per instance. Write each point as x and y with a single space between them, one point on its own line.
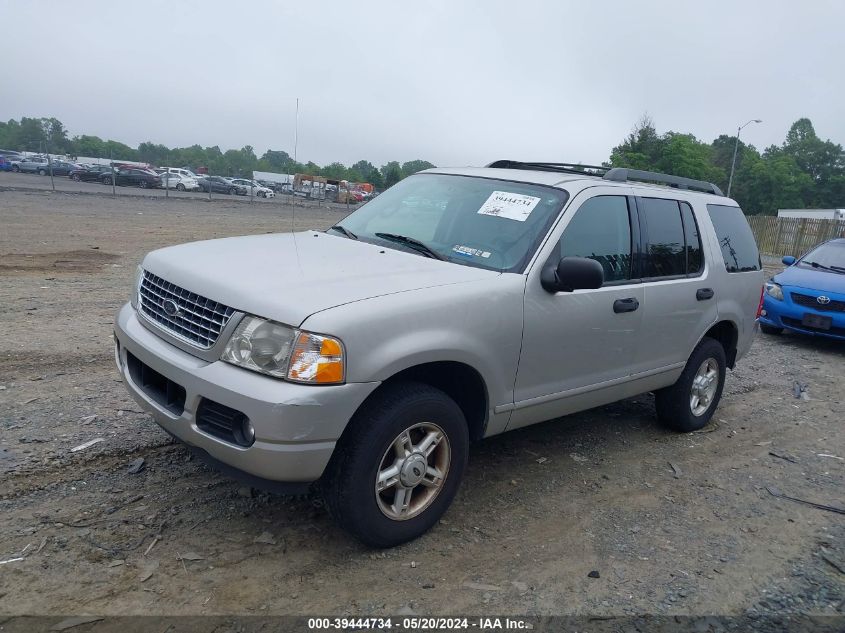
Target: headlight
136 287
284 352
774 290
260 345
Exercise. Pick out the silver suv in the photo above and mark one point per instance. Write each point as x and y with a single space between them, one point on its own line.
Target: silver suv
459 304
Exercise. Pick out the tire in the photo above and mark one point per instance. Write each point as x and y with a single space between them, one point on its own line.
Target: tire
143 184
676 406
15 168
770 329
232 191
368 446
75 177
42 172
180 187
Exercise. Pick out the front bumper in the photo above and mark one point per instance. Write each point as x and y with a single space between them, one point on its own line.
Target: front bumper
296 426
788 314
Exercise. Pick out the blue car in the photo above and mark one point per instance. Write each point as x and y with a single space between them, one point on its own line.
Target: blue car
5 164
809 296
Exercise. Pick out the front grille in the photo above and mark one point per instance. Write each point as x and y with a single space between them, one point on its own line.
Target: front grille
198 320
796 323
159 388
223 422
809 301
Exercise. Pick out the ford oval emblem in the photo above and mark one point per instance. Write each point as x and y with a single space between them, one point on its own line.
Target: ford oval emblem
170 308
823 300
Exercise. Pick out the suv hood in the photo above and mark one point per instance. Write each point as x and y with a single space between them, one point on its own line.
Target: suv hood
812 279
287 277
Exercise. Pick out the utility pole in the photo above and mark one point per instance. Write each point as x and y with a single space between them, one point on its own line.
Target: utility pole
296 131
736 147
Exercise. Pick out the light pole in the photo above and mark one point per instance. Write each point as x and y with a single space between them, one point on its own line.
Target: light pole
736 147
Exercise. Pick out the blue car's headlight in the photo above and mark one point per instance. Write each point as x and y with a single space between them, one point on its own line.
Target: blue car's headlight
774 290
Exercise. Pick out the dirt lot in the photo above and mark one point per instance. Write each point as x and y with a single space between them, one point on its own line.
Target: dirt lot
539 510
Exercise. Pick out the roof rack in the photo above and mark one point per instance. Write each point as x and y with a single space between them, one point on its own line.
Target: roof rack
566 168
616 174
622 174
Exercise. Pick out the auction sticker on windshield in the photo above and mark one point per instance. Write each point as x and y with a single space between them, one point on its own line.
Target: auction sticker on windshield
514 206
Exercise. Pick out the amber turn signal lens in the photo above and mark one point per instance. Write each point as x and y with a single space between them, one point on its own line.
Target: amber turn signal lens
316 359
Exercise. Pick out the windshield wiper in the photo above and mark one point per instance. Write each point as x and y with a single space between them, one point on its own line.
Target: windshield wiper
413 243
344 230
835 269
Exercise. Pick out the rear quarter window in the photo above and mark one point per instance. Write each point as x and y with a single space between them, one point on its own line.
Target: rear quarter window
739 250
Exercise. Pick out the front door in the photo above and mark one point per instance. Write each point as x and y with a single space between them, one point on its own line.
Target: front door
576 342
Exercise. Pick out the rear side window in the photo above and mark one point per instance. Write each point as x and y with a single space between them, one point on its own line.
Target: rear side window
665 251
739 250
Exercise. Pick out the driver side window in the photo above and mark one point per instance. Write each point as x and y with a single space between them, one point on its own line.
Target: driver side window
601 230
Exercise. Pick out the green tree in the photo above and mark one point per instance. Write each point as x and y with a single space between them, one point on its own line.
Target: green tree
391 173
413 166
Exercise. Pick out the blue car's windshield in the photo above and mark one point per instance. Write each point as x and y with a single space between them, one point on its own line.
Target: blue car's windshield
481 222
829 256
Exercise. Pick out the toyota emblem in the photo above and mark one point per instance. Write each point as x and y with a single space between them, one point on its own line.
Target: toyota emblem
170 308
823 300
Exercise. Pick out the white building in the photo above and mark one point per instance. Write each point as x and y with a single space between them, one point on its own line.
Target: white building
815 214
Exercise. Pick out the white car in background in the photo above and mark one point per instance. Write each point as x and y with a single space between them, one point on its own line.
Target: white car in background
179 182
257 189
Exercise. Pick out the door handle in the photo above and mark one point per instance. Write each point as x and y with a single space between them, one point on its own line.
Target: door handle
625 305
702 294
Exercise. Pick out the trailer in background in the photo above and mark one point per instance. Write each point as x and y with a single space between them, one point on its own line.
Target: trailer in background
813 214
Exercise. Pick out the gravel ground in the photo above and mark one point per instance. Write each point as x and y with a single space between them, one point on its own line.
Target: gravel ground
540 510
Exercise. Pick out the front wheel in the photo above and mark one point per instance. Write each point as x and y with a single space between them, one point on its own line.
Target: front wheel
42 172
399 464
15 168
770 329
232 191
180 187
689 404
143 184
75 177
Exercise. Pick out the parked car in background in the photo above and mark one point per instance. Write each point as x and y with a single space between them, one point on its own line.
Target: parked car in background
809 296
179 182
187 173
86 173
254 188
137 177
5 163
31 165
44 168
220 185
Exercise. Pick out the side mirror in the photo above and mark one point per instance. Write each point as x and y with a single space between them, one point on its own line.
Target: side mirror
572 273
788 260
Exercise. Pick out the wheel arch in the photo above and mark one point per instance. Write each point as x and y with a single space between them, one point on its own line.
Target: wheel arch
458 380
726 333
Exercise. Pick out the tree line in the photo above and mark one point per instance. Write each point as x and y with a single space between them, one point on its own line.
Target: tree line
49 134
803 172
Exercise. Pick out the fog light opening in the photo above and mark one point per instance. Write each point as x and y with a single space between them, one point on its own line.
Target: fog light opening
243 431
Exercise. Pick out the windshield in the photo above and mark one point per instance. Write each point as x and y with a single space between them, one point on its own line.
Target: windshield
481 222
830 255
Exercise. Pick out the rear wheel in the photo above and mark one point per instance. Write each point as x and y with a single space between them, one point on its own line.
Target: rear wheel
143 184
15 168
180 187
75 177
232 191
689 404
770 329
398 466
42 172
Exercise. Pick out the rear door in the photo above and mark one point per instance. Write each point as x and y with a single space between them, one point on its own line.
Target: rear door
680 301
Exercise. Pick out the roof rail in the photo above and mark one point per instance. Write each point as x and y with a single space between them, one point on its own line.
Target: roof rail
566 168
623 174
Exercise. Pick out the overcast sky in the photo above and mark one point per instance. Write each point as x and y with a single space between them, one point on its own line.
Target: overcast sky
452 82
